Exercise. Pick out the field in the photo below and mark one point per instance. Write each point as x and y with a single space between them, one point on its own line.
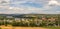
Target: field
53 27
10 27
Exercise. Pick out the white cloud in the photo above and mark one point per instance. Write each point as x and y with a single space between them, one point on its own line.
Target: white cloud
51 5
54 2
21 10
58 11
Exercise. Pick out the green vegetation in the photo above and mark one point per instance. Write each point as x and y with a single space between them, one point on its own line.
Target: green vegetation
32 20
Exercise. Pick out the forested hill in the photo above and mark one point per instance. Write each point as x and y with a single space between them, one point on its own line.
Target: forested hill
29 15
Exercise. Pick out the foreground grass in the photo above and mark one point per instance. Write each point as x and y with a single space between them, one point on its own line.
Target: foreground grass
11 27
52 27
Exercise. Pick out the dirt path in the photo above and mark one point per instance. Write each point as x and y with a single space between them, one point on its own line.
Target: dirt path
9 27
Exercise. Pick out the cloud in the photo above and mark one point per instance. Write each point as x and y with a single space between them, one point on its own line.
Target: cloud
30 6
4 2
24 10
54 2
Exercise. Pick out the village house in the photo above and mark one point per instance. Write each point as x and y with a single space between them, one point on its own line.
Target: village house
9 16
17 19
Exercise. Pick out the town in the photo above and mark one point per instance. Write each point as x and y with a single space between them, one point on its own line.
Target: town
31 20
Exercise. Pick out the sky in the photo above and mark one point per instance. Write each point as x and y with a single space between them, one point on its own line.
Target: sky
29 6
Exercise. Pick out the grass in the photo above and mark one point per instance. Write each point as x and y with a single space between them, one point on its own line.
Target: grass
52 27
10 27
0 27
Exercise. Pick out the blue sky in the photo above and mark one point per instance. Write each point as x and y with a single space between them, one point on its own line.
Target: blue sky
30 6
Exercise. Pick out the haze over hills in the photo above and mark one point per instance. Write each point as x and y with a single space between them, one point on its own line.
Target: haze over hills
29 15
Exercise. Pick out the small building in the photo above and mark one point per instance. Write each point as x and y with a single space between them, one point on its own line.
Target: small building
9 16
17 19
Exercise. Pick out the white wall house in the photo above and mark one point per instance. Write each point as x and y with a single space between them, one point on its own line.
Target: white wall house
9 16
17 19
